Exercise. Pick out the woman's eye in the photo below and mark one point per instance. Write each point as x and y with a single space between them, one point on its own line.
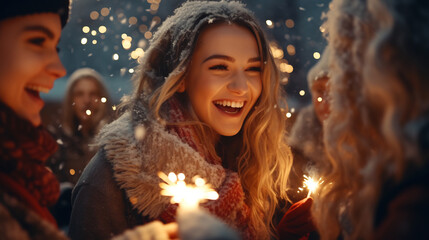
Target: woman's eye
37 41
219 67
254 69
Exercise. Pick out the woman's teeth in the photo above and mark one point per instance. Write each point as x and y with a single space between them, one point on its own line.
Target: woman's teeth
37 88
232 104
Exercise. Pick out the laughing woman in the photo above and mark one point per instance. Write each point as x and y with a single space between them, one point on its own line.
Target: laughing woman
29 34
206 103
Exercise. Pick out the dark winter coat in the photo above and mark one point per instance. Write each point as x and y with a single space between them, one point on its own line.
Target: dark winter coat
403 209
109 213
73 155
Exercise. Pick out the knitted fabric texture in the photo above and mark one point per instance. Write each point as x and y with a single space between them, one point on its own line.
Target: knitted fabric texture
136 160
24 150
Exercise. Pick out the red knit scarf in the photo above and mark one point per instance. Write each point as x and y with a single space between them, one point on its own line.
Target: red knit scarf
230 207
23 151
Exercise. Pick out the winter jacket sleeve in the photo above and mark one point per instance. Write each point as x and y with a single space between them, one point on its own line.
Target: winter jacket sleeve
98 205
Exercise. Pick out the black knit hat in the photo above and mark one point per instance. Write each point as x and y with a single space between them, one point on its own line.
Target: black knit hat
15 8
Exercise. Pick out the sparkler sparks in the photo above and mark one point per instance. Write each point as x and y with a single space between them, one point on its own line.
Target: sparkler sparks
311 184
187 195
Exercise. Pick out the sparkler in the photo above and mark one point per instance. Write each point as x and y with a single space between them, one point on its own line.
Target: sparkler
187 195
311 184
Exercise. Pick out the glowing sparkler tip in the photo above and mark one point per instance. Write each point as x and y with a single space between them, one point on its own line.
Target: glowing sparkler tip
172 177
199 182
212 195
189 195
311 184
181 176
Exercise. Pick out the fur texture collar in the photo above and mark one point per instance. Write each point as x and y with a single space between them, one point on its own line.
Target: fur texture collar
138 147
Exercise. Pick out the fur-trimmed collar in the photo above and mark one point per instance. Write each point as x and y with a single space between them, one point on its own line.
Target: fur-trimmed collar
138 147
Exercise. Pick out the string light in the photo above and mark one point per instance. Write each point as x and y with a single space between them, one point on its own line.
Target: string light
102 29
94 15
86 29
316 55
105 12
289 23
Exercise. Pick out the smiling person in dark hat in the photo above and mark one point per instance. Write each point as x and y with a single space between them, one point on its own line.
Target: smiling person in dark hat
29 34
29 64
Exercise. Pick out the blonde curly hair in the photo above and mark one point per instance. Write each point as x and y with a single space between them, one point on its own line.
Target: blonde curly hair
378 88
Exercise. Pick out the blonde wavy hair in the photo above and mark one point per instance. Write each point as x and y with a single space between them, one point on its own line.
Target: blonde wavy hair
265 160
378 88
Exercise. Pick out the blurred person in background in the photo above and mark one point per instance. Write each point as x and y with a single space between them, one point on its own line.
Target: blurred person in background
306 135
86 108
309 154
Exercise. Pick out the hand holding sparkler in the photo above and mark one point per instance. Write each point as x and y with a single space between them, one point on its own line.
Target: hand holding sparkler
194 223
297 221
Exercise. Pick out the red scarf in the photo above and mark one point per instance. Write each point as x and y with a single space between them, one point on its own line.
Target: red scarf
230 207
23 152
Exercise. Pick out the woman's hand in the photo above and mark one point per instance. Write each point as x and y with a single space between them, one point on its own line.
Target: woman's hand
297 222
